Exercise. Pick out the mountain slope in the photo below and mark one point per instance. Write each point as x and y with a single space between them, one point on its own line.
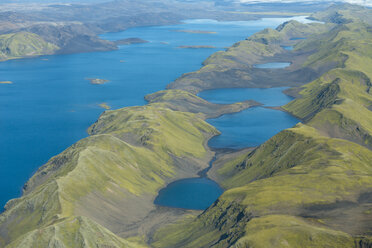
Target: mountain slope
23 44
131 154
308 186
72 232
235 67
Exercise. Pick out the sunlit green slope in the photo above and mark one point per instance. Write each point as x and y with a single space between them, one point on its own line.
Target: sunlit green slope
344 13
72 232
23 44
110 177
310 185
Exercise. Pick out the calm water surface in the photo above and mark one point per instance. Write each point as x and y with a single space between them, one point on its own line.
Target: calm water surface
252 126
51 104
289 48
275 65
190 193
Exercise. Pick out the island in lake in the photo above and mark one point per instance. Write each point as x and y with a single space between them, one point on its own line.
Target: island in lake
196 47
6 82
196 31
98 80
197 164
104 105
130 41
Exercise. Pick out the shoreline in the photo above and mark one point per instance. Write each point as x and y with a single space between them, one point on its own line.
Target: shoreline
201 173
166 88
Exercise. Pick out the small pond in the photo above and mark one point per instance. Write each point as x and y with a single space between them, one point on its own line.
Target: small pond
191 193
288 48
274 65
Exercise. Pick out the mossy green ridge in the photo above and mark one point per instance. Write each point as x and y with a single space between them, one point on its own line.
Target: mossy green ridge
344 13
112 176
310 185
181 100
72 232
299 173
24 44
337 103
234 67
287 31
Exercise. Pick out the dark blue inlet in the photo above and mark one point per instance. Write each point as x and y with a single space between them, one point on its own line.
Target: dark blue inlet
253 126
275 65
250 127
190 193
297 38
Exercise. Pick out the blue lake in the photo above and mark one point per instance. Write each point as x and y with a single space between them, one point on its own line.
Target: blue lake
269 97
191 193
288 48
249 128
299 38
252 126
50 104
275 65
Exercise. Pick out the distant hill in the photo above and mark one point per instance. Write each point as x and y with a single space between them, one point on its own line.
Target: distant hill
344 13
24 44
308 186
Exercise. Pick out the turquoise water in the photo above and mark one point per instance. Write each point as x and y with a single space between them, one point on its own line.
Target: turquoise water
51 104
252 126
274 65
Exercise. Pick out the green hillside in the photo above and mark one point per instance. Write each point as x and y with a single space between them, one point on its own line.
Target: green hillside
235 66
344 13
131 154
24 44
181 100
308 186
72 232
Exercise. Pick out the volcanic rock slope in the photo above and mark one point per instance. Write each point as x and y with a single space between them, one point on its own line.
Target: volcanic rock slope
308 186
